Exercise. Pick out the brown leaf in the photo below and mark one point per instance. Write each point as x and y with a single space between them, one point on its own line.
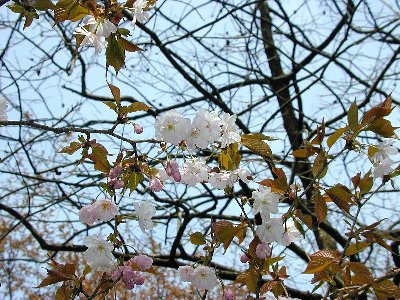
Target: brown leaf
321 209
341 195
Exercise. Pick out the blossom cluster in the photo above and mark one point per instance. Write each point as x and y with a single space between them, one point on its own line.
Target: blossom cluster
383 164
272 229
96 32
202 277
129 276
205 128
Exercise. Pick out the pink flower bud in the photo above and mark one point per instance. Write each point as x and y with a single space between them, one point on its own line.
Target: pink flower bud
144 262
138 279
128 274
86 215
228 294
138 129
116 274
155 184
263 250
115 183
115 172
244 259
130 284
172 170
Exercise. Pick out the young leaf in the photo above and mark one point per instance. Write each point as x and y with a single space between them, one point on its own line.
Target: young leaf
197 238
115 54
352 116
332 139
72 148
229 158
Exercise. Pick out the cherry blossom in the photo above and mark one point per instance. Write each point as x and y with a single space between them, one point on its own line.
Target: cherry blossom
138 13
382 168
86 215
3 108
228 294
205 129
155 184
144 262
263 250
194 171
230 132
144 212
222 180
115 183
186 273
172 170
265 202
385 149
270 230
204 278
115 172
172 127
104 210
138 128
291 234
98 255
105 28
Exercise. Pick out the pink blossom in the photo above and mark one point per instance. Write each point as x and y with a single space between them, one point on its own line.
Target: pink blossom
185 273
228 294
138 278
86 215
138 128
104 210
172 170
115 183
244 259
115 172
155 184
116 274
144 262
263 250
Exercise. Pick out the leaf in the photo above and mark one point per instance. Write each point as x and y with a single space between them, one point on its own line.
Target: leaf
320 134
251 279
14 7
137 106
382 127
362 275
116 92
341 195
229 158
386 289
332 139
322 259
366 183
304 152
111 105
377 112
69 10
133 181
99 157
278 184
269 285
63 293
43 5
352 116
128 46
255 143
72 148
224 232
356 247
320 165
115 54
59 273
321 209
197 238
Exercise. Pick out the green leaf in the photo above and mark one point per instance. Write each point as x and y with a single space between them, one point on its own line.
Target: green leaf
99 157
16 8
115 53
335 136
197 238
43 5
352 116
69 10
229 158
133 181
128 46
356 247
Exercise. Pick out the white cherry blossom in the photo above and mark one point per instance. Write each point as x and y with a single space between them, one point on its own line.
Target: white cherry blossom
138 13
105 28
186 273
194 172
222 180
104 210
204 278
230 132
144 212
291 234
172 127
265 202
271 230
385 149
91 39
205 129
382 168
98 255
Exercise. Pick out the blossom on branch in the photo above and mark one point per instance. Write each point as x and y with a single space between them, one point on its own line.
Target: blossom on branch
204 278
98 255
265 202
144 212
